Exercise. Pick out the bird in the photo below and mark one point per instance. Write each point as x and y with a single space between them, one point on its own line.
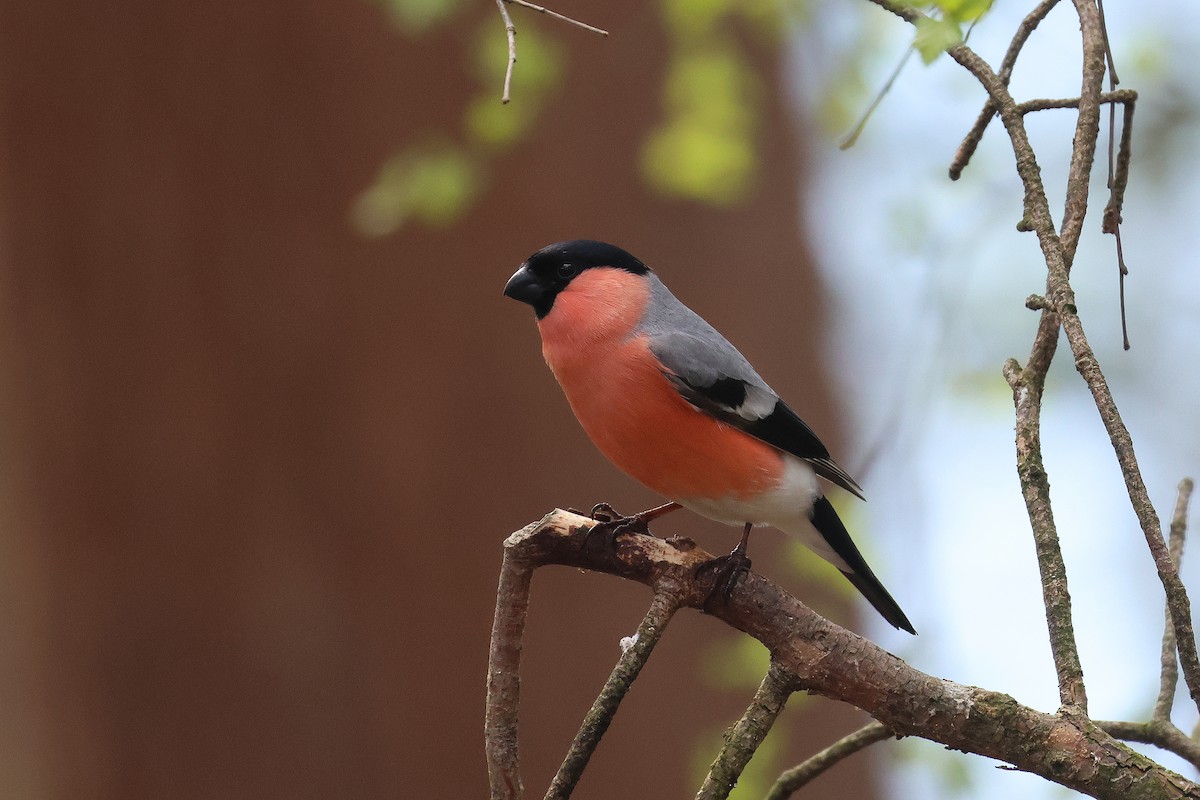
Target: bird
669 401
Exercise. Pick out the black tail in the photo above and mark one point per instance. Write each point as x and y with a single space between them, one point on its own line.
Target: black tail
827 523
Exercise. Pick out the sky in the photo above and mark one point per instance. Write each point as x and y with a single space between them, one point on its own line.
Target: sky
927 280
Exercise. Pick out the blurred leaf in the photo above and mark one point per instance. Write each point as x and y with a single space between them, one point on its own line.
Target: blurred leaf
705 150
433 185
687 158
934 36
963 10
419 16
738 662
492 123
692 19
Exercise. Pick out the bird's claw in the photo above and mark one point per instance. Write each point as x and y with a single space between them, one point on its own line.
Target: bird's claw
603 512
729 572
610 525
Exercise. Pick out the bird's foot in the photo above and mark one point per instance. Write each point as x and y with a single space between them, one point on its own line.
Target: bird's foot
729 572
611 524
607 515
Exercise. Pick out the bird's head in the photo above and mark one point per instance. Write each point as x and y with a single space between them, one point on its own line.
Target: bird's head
552 270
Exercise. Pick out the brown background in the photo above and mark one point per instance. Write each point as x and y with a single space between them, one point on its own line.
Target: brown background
255 470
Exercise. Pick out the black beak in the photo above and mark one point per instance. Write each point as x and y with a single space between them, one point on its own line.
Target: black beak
524 286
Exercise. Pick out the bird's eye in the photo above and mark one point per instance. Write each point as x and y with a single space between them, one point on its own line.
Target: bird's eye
566 270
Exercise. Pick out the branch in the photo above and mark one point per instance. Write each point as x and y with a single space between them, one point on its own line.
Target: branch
743 739
818 656
798 776
1119 96
1027 387
504 682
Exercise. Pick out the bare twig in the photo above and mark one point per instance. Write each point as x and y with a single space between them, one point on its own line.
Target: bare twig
558 16
1118 180
1119 96
1035 488
600 716
1170 664
851 138
743 739
504 681
1113 80
796 777
510 31
975 135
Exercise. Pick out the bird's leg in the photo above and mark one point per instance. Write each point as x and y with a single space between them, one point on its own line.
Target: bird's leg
613 524
729 569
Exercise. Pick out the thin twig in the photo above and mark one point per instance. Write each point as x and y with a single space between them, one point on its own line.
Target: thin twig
849 140
798 776
1028 386
1170 663
1112 212
743 739
600 716
975 135
1119 96
510 31
504 670
558 16
1113 80
1087 133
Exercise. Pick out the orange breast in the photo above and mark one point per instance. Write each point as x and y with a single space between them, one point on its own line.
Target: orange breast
643 425
630 411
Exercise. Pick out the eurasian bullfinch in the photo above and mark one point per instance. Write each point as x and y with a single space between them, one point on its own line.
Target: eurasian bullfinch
672 403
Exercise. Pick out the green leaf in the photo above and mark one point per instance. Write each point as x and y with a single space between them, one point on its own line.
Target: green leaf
497 125
705 150
963 10
934 36
431 184
692 19
419 16
735 663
